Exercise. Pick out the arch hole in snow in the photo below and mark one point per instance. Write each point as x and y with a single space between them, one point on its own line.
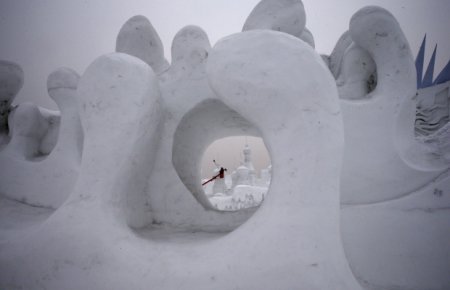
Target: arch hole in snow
246 174
208 121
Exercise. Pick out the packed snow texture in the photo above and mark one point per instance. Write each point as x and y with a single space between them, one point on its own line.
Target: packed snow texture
106 193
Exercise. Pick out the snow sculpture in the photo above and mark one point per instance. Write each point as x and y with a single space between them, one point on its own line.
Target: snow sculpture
380 124
236 69
289 16
49 178
164 118
391 180
245 190
266 175
248 159
243 176
121 105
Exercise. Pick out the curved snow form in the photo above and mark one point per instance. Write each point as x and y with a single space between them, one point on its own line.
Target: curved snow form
50 136
357 74
382 158
190 48
26 173
286 16
193 118
11 81
137 37
433 108
209 121
121 105
336 56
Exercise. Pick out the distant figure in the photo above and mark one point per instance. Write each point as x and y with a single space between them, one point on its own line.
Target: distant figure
221 173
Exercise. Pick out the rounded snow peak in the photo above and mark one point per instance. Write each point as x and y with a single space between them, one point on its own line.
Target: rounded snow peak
190 45
373 26
280 15
138 38
11 80
376 30
63 78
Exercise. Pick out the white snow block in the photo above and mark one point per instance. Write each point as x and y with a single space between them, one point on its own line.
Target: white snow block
138 38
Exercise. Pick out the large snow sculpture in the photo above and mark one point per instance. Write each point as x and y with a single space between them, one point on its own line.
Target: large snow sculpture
121 105
383 159
28 175
138 202
393 181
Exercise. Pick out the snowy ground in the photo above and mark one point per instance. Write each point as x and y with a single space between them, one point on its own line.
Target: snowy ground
17 218
400 244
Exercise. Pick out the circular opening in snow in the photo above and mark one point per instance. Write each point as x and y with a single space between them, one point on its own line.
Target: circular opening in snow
236 172
205 123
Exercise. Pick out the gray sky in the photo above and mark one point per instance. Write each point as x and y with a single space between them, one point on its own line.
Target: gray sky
42 35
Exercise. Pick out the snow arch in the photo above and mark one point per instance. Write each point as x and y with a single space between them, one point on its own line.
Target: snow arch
208 121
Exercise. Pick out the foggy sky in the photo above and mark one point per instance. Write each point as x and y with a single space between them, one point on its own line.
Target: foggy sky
42 35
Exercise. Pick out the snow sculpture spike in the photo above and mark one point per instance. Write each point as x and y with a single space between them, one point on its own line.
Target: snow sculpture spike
428 78
419 62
